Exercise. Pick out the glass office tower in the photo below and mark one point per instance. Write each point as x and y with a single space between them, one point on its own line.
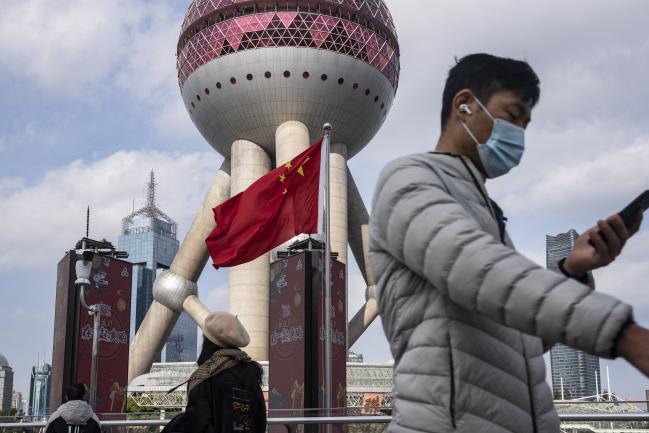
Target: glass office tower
149 237
576 370
39 390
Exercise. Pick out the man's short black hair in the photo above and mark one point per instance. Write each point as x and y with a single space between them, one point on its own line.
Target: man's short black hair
485 75
76 391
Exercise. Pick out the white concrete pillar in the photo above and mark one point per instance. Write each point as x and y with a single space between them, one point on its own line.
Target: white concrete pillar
338 197
291 139
249 283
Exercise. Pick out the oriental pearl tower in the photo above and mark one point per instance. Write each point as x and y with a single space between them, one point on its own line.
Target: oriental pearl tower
259 78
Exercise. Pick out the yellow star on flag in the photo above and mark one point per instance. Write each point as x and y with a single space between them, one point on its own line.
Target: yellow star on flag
282 178
301 169
288 165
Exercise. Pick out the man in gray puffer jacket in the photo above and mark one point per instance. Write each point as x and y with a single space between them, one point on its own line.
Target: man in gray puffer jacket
467 317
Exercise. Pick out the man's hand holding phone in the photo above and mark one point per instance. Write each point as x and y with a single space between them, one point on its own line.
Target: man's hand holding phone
600 245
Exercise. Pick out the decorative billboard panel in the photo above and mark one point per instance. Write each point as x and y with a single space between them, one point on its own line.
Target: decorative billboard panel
287 335
297 337
111 288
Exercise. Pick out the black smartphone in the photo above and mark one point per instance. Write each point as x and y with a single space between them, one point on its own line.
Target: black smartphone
629 213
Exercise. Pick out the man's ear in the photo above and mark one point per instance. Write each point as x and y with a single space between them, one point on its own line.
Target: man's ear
464 104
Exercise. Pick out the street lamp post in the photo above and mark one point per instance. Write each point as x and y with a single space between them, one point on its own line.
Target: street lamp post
83 268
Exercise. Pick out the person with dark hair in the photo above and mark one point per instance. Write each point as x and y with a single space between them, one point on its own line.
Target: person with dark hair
224 394
74 416
467 317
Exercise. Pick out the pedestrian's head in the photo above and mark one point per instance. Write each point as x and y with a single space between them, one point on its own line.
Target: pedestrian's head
486 106
76 391
207 350
225 330
222 330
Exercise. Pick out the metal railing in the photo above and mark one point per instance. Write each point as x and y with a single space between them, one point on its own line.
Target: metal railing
564 417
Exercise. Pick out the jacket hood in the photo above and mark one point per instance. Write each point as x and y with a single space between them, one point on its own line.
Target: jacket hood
75 412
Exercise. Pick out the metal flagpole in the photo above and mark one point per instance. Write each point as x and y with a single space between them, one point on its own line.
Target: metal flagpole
327 273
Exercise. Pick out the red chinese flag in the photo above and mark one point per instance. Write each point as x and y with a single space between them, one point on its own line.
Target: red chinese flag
277 207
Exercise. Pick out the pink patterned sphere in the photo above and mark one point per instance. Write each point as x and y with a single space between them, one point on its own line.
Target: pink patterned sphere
246 66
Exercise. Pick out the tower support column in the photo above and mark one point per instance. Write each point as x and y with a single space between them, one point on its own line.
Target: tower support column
249 283
291 139
338 197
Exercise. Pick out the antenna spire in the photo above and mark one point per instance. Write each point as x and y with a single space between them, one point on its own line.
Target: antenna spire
150 197
88 221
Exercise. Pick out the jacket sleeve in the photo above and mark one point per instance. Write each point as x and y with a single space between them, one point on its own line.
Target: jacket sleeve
417 222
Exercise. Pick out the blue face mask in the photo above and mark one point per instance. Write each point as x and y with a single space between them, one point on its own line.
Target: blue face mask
503 150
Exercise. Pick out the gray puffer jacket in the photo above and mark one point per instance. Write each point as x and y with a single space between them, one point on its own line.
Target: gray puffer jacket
467 317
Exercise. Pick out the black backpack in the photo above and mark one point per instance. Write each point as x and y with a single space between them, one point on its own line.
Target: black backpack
76 428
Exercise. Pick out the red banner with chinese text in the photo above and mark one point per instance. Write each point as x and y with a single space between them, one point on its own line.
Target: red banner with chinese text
111 288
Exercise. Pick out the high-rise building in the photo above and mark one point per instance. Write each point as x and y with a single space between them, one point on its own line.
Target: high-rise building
6 383
149 237
17 401
575 374
39 390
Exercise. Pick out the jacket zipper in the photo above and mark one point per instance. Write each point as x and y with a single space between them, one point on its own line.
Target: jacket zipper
529 386
451 407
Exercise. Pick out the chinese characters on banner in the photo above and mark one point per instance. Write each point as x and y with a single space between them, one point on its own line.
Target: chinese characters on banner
372 403
110 286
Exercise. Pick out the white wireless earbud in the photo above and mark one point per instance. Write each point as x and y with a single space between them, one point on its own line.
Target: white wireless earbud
465 109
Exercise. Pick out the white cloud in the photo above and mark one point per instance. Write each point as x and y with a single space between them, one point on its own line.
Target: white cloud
585 186
49 216
8 185
150 68
82 48
64 47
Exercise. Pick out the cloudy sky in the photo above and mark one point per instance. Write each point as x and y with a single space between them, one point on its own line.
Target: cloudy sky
90 104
